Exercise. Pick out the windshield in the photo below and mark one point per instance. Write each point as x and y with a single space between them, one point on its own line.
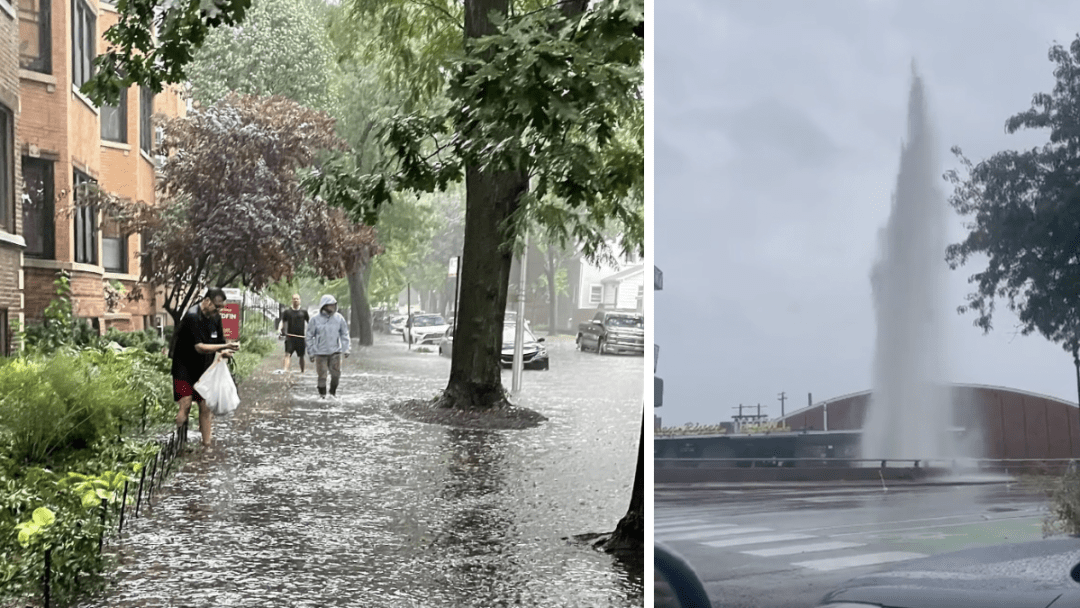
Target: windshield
508 335
428 321
633 322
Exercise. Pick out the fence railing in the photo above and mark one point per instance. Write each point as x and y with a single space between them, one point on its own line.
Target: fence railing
152 476
1018 465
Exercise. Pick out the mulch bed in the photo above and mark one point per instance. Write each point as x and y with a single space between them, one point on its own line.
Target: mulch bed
501 418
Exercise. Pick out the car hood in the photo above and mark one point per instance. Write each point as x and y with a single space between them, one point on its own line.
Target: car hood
631 331
528 347
430 329
915 597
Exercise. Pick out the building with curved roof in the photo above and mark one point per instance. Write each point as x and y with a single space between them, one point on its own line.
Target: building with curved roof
995 422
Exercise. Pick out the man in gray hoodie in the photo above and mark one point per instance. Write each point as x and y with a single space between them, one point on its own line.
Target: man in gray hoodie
327 340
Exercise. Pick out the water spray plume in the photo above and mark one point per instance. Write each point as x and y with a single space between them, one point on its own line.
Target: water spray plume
910 409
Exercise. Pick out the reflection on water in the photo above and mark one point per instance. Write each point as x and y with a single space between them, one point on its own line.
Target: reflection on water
317 503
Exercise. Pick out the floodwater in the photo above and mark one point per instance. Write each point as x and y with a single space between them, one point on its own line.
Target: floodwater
321 503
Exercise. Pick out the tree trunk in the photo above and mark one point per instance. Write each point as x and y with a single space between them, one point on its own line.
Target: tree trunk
630 533
551 270
490 199
475 374
361 309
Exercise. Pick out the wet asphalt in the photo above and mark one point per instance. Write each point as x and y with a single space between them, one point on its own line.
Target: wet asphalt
744 539
308 502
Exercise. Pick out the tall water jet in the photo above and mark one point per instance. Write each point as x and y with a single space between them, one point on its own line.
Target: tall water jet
910 409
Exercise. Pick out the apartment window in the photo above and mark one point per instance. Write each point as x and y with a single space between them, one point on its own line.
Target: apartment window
146 128
39 211
35 35
5 334
114 120
82 42
641 292
113 247
86 228
596 294
7 169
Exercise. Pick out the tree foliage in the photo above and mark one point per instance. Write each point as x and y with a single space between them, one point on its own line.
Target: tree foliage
281 48
1025 216
233 209
554 96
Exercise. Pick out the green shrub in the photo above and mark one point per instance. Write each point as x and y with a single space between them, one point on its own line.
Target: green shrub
147 340
63 403
1064 508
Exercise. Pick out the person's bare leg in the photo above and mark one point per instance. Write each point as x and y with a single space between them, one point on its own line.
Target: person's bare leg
206 423
287 363
182 415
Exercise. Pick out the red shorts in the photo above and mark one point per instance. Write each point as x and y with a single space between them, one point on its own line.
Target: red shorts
182 388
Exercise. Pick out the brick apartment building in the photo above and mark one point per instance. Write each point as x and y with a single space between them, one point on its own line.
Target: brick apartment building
65 140
11 241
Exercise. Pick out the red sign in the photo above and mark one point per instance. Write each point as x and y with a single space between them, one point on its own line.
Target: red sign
230 320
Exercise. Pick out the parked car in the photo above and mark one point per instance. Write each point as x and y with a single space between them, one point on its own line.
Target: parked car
612 331
424 329
396 324
534 353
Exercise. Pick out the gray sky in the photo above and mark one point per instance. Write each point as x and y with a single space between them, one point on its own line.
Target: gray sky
778 126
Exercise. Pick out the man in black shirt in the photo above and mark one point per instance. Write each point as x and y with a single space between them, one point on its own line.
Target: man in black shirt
293 321
198 338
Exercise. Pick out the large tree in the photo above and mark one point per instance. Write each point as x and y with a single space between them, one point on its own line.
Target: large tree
542 125
1024 210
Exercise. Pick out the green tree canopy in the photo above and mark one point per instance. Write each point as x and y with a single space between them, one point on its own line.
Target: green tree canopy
281 48
1024 210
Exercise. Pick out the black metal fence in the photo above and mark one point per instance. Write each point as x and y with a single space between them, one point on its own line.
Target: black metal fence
152 476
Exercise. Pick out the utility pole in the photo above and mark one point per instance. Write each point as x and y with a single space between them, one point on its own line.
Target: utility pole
782 398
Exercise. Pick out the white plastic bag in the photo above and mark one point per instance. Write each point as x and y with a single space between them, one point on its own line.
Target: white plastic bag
217 387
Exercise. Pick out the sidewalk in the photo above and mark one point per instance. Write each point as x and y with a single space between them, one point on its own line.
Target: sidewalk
308 502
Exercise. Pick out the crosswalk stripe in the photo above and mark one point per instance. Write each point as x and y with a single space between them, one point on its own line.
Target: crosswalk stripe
676 529
662 523
854 561
756 540
794 549
706 534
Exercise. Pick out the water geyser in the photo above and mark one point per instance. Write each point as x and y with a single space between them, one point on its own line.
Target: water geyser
910 408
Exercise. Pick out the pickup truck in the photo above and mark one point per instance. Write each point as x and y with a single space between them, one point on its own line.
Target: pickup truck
612 331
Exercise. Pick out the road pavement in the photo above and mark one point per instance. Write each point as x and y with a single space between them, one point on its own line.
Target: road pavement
786 545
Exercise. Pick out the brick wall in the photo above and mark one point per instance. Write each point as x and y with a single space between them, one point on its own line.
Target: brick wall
11 285
60 125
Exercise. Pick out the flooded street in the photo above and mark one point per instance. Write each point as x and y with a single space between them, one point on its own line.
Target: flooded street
305 502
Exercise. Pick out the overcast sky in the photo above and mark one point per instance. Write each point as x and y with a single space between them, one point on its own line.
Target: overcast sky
778 126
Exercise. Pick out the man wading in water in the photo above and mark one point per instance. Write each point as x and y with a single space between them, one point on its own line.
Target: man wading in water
327 342
199 336
292 328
